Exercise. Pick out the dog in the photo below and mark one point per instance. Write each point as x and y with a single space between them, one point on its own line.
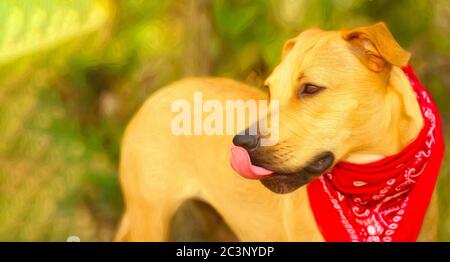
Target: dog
342 97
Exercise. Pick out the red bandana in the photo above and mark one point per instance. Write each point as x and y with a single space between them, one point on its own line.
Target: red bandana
385 200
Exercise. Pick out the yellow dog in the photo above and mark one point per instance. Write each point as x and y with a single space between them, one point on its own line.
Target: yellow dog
359 103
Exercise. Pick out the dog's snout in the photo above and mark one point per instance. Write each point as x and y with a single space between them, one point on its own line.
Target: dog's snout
249 142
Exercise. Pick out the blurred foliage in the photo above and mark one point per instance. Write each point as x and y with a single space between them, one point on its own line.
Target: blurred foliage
32 26
73 72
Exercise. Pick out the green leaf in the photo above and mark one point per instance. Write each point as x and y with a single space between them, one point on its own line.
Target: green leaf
31 26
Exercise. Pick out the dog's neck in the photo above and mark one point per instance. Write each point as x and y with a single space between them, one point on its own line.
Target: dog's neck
404 122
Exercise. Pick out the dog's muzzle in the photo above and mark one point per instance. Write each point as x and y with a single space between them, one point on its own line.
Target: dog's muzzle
277 182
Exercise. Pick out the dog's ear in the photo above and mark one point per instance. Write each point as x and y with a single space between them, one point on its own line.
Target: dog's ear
287 47
291 42
375 46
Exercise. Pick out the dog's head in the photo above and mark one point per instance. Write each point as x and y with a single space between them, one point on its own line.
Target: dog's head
332 92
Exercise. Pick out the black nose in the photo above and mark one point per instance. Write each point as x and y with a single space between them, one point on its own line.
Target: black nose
248 142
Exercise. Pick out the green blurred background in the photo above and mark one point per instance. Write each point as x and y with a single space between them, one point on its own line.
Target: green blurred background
73 72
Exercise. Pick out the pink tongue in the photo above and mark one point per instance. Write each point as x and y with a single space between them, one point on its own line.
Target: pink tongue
240 162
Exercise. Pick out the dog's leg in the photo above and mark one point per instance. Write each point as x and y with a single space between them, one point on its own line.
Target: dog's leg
149 199
122 234
147 222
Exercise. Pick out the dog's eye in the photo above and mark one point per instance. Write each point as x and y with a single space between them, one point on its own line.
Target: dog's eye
309 89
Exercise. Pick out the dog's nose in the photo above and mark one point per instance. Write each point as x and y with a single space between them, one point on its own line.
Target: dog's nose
248 142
